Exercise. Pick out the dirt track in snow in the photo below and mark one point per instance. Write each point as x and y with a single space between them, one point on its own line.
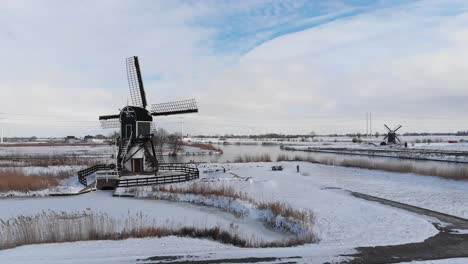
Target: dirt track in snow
446 244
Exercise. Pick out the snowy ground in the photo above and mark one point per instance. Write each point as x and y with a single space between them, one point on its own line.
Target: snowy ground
442 195
357 223
343 222
128 251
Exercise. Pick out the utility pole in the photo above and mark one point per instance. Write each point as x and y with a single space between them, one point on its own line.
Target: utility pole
367 124
3 119
182 128
370 123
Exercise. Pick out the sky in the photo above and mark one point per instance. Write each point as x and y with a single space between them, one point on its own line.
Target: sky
254 67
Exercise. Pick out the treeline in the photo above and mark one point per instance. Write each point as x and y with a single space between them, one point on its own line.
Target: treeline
260 136
312 135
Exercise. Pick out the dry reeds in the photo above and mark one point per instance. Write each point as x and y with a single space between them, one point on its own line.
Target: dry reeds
58 227
53 227
204 146
277 208
49 160
18 180
253 158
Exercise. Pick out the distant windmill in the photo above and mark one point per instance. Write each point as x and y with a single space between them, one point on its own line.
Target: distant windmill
391 135
136 147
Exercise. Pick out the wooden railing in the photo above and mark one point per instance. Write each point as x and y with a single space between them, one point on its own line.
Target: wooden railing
82 174
185 172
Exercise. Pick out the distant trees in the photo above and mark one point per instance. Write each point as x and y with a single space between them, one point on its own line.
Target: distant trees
114 135
174 142
162 138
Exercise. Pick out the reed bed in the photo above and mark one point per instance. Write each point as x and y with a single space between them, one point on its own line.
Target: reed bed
204 146
304 217
253 158
49 160
59 227
15 179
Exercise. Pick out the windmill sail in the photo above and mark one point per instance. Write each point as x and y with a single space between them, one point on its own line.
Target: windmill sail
174 108
110 121
135 83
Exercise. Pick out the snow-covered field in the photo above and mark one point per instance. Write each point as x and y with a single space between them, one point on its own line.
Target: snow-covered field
343 222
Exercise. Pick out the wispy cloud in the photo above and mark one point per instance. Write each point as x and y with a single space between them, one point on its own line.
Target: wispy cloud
254 66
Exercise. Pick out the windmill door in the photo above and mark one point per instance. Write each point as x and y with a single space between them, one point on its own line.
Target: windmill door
137 165
128 131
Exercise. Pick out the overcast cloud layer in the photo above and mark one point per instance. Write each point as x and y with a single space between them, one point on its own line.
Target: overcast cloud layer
253 66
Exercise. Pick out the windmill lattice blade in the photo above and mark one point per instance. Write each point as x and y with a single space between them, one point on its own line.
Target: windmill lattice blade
109 117
387 127
174 108
385 137
110 123
135 83
397 128
398 139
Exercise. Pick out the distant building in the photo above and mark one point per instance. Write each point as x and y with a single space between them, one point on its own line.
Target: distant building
88 139
99 136
71 140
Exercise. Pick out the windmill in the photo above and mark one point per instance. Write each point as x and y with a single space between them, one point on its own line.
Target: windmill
136 147
391 135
